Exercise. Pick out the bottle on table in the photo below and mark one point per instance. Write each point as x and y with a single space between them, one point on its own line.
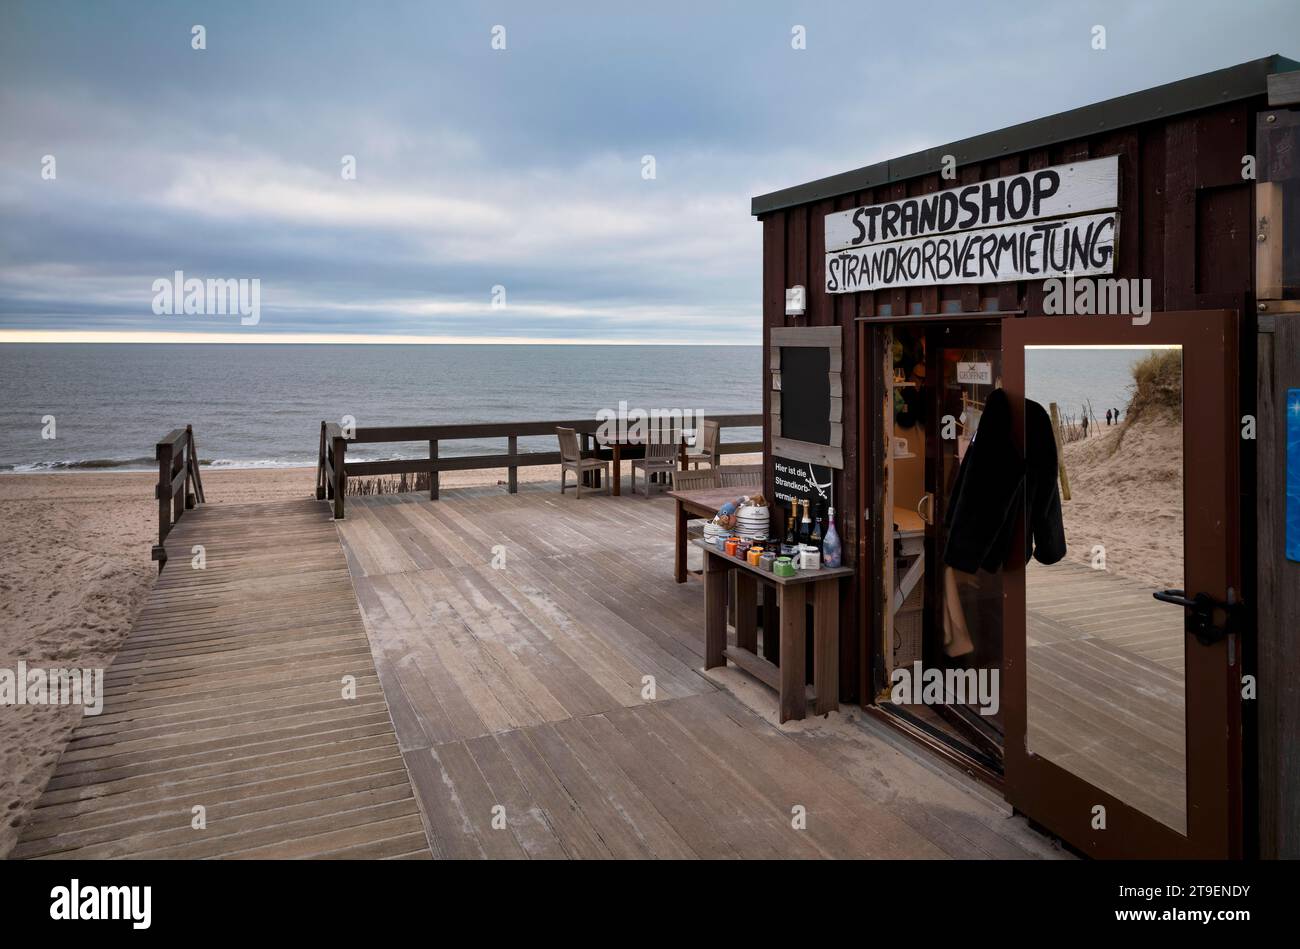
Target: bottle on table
805 526
789 527
816 538
831 550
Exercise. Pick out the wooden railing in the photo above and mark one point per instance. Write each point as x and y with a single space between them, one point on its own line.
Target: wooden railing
333 469
178 470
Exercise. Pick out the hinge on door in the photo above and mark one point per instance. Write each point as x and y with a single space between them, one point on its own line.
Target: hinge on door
1208 619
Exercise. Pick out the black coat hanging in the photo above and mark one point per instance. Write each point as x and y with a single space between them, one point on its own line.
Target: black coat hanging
995 482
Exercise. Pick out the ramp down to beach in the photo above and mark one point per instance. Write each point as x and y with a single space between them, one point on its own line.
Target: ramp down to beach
225 730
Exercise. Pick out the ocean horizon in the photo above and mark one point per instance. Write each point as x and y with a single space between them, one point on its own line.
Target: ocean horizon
261 405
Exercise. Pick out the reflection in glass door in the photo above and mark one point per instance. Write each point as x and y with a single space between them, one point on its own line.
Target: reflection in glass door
1105 697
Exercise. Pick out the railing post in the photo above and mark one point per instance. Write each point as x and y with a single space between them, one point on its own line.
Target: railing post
433 471
340 477
195 474
163 492
190 462
320 465
178 499
512 449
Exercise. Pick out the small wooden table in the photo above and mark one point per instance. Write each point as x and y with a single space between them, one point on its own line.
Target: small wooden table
616 456
817 587
699 503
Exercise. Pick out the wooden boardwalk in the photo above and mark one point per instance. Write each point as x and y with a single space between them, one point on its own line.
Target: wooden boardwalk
1106 692
549 706
228 695
519 695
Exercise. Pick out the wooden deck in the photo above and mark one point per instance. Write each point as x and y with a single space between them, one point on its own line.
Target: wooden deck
227 695
1106 692
518 695
550 706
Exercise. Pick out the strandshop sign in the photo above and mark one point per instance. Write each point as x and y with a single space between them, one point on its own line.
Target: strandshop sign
1032 225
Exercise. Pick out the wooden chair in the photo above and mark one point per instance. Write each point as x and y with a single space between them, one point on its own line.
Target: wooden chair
706 446
660 458
571 460
695 480
740 476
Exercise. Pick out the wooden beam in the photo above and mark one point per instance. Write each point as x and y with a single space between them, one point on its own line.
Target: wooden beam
806 336
1269 236
433 469
340 475
1060 453
830 455
512 450
1284 88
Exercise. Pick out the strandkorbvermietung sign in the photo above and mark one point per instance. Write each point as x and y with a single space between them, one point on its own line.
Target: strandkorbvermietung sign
1031 225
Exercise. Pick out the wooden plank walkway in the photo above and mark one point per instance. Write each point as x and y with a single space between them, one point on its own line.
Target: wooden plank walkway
1106 690
228 695
519 696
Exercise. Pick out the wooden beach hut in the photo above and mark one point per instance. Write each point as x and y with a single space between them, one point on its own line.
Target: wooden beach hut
899 297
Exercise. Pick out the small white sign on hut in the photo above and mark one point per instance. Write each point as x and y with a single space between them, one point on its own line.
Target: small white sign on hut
975 373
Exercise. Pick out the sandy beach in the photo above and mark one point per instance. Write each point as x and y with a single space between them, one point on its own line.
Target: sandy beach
1127 496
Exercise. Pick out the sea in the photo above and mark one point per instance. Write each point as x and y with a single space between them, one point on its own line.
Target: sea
260 406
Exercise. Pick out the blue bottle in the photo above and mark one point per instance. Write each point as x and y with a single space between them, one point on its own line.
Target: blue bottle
831 551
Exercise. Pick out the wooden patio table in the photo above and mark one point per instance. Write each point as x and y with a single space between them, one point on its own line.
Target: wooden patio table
820 588
698 503
616 457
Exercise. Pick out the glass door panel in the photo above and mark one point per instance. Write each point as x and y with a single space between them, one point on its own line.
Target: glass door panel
1104 660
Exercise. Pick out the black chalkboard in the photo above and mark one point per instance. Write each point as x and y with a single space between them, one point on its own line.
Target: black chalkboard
806 394
800 481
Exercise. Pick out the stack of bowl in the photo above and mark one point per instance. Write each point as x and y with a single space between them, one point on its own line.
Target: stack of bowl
713 531
752 522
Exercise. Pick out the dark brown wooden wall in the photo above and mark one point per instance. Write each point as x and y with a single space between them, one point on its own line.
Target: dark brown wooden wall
1185 223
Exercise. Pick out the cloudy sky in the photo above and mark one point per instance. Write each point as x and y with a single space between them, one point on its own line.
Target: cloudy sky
519 168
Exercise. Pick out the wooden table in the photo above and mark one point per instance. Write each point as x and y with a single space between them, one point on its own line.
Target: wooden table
699 503
820 588
616 457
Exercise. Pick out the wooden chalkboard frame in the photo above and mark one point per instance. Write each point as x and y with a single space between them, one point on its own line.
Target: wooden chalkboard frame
822 337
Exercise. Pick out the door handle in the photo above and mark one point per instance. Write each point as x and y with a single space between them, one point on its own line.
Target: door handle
926 502
1204 613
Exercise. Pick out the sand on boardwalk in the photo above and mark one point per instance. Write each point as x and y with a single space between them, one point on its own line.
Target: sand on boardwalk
75 572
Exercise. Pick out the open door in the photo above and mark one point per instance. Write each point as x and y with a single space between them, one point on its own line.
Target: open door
1122 679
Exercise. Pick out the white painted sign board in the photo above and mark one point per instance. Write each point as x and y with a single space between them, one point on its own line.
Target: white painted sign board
1058 191
1082 246
1027 226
